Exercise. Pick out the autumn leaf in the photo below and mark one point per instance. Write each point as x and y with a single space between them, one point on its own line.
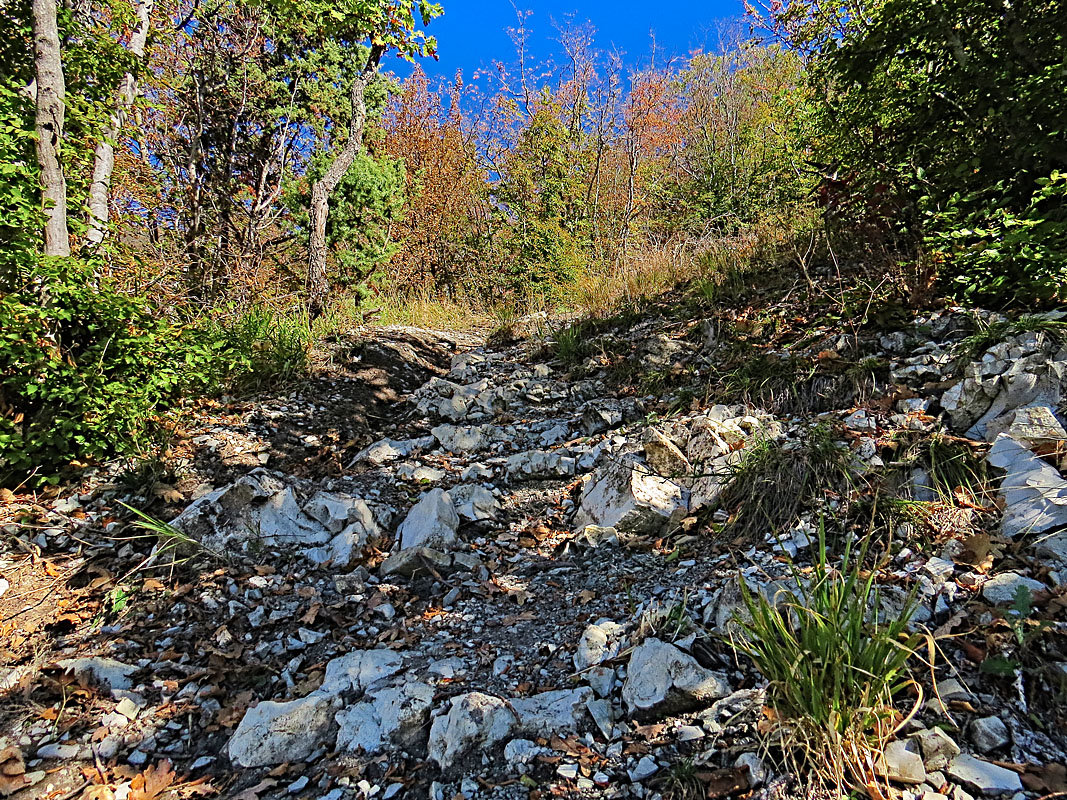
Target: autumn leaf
150 784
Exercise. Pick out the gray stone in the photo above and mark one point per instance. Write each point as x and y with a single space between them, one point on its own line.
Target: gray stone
757 770
107 673
937 748
561 710
411 560
61 752
902 764
273 733
474 721
599 642
393 716
1034 494
626 496
983 777
432 522
522 751
661 679
360 669
460 439
1001 589
474 502
989 733
335 512
603 715
601 680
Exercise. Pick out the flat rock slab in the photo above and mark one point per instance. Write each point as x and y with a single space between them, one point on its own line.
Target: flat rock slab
981 776
274 733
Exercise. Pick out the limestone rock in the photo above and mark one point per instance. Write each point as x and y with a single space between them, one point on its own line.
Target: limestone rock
1035 496
664 456
981 776
474 721
1033 427
474 502
358 670
599 642
1001 589
661 679
624 495
107 673
393 716
432 522
552 712
273 733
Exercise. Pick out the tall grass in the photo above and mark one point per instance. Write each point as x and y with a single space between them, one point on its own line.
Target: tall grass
835 662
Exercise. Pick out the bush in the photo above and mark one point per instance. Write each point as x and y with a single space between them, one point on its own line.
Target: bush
86 369
833 664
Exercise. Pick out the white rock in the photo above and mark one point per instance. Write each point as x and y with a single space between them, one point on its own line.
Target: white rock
626 496
474 721
273 733
989 733
552 712
981 776
521 751
539 465
1034 494
474 502
663 679
599 642
664 456
394 715
358 670
1033 427
432 522
386 450
1001 589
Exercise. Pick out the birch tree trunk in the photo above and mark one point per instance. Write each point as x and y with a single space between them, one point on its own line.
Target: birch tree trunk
104 157
318 282
48 124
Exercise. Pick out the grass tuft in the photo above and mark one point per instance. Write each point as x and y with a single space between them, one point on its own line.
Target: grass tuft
834 667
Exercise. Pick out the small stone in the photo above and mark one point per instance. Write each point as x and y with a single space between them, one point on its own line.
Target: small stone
298 784
983 777
1002 589
432 522
989 733
937 748
757 770
62 752
567 771
645 768
127 708
902 764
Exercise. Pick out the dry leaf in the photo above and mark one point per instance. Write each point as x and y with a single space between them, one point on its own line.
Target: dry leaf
12 771
253 792
151 783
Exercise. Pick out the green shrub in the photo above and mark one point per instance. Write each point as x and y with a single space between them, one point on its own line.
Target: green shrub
85 369
834 664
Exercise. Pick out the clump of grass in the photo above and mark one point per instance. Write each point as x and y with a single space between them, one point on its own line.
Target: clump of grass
771 485
834 665
573 344
682 781
987 334
263 346
173 546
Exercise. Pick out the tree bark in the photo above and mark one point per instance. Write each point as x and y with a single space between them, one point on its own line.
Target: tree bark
104 157
48 67
318 282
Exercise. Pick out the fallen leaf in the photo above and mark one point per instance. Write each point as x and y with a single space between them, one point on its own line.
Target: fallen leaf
12 771
151 783
724 782
253 792
1046 780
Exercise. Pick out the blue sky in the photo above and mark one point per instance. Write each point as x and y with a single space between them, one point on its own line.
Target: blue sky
472 33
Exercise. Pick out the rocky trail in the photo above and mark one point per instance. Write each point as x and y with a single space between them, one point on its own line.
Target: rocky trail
450 568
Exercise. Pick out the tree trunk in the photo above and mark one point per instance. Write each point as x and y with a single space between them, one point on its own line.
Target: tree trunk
104 157
48 67
318 282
